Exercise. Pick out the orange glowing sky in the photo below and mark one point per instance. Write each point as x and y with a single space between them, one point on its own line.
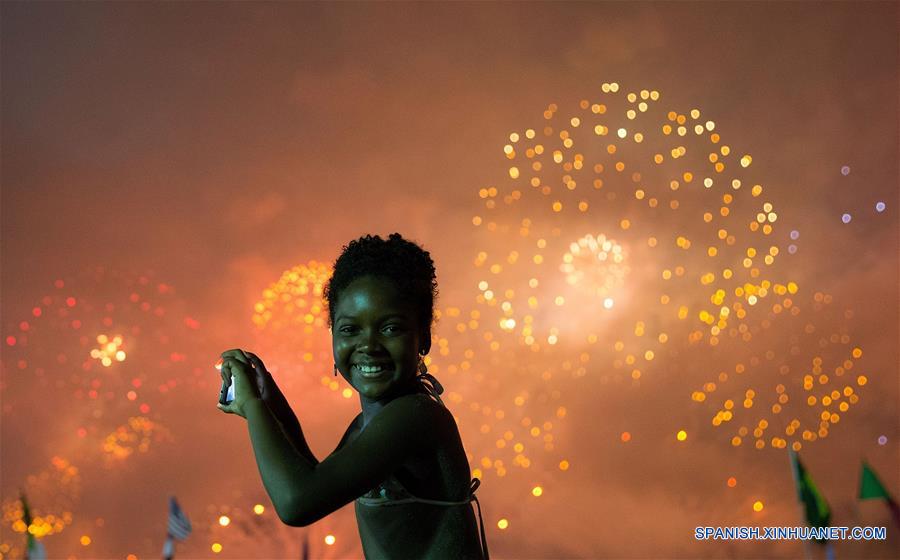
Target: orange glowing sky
210 147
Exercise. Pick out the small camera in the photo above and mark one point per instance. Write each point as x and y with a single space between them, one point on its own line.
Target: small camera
226 393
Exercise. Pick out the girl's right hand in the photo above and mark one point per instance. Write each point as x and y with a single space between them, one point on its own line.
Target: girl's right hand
265 383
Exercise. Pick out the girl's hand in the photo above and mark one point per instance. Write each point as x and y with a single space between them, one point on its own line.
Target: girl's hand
265 384
245 387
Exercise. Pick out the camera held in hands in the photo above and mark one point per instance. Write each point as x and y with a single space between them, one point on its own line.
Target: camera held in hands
226 393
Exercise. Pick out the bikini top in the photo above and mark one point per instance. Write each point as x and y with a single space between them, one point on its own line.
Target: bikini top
391 492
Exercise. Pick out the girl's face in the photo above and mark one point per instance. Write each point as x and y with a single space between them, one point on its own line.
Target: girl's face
375 338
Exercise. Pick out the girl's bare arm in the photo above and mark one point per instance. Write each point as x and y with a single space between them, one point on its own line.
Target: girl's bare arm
304 492
272 396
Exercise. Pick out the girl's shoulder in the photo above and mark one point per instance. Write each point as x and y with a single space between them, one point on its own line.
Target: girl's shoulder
351 432
424 407
418 408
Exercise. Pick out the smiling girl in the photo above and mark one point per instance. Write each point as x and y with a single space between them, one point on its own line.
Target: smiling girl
401 460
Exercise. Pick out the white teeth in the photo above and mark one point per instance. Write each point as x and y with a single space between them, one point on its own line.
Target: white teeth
370 369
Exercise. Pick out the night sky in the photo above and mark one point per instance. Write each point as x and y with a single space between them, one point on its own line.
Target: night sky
666 240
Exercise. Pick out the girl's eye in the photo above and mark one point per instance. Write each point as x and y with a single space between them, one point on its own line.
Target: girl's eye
389 329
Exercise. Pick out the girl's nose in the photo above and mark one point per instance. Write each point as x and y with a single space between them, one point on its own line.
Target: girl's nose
370 342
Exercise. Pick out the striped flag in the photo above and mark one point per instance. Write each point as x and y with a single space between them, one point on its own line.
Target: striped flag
179 524
179 527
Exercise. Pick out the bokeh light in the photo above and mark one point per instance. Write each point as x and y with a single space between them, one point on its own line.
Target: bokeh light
689 262
292 335
115 343
757 506
138 434
53 494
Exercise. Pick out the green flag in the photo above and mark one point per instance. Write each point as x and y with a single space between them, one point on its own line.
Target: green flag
818 514
34 550
871 487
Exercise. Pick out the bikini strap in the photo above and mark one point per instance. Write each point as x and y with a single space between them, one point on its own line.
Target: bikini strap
432 386
484 547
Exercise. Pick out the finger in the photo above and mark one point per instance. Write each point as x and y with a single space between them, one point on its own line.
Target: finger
262 377
236 368
242 364
224 408
227 369
257 364
237 354
233 364
227 372
249 357
255 359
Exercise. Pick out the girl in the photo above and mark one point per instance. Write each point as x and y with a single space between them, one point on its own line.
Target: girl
401 459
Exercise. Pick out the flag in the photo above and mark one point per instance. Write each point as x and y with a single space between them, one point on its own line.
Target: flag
35 548
871 487
179 527
179 524
816 509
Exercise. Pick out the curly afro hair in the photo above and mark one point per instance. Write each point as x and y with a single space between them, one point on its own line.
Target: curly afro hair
402 262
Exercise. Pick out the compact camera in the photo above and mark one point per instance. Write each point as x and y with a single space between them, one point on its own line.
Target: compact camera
226 393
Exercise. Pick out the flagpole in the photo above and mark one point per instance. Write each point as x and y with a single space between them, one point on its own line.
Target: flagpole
806 548
169 547
829 547
304 548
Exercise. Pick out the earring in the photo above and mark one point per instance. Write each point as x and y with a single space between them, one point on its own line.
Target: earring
423 369
335 370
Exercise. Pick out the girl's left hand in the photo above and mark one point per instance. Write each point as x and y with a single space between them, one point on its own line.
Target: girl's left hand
245 389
